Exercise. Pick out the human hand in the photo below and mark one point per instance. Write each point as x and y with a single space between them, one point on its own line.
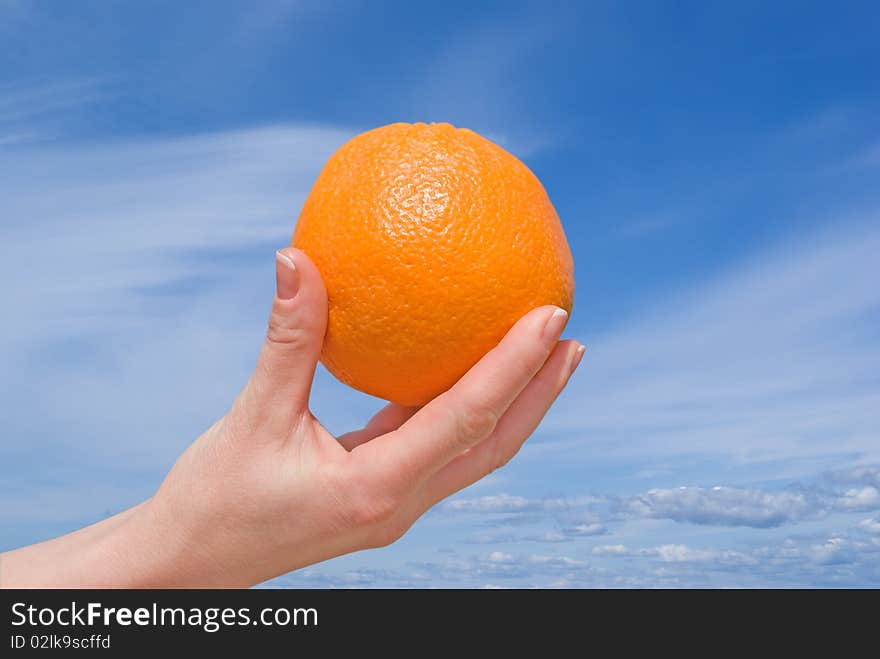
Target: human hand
267 489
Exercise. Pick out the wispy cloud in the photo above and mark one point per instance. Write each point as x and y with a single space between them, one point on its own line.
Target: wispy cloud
30 112
866 475
569 517
18 102
138 277
871 525
473 80
776 358
114 226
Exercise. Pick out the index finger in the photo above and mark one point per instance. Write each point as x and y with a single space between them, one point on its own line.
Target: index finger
466 414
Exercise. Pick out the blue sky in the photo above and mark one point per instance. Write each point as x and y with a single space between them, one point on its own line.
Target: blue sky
716 167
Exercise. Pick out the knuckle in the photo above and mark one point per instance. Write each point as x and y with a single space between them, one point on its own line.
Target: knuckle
475 423
360 502
497 459
386 535
389 532
375 511
281 331
373 502
502 456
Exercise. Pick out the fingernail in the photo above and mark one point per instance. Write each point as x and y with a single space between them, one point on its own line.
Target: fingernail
555 325
578 355
286 277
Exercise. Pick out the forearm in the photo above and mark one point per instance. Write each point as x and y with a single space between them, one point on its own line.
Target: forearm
86 557
142 547
138 548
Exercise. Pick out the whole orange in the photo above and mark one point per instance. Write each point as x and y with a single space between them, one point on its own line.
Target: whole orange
432 241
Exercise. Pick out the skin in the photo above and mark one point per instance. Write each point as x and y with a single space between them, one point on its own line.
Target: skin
267 489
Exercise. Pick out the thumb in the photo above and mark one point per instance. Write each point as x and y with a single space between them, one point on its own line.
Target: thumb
285 368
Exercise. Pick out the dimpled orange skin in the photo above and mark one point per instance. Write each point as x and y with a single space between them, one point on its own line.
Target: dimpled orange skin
432 241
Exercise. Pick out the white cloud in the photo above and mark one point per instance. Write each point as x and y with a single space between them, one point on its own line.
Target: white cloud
834 551
725 506
860 499
871 525
495 503
568 517
729 506
501 569
491 537
567 534
865 474
857 499
591 528
363 577
508 503
555 520
672 553
500 557
548 536
801 561
563 562
579 525
685 554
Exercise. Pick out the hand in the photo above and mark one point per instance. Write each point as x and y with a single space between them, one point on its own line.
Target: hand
267 489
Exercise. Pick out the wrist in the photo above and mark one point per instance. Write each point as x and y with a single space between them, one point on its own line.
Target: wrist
161 546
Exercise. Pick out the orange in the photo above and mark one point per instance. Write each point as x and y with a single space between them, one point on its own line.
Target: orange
432 241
